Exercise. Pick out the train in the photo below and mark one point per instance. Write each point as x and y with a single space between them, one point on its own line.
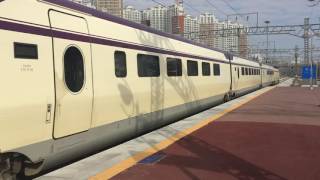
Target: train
76 81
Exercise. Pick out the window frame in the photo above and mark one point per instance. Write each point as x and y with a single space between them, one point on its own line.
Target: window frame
216 66
139 68
208 73
25 45
84 70
115 64
191 63
179 65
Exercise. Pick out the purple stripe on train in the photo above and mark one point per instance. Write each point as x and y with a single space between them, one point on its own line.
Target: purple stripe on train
82 38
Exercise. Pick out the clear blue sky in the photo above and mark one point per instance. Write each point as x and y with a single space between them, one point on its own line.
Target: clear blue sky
279 12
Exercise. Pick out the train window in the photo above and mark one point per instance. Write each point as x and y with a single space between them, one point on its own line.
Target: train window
73 69
120 62
216 69
242 71
192 67
247 71
25 51
174 67
238 70
206 71
148 66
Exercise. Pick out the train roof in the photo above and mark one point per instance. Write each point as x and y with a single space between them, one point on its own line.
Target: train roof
122 21
238 60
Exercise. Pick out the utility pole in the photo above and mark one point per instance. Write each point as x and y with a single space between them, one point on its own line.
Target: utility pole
267 54
306 41
311 65
296 56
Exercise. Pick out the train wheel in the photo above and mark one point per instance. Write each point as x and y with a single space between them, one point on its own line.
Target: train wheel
226 98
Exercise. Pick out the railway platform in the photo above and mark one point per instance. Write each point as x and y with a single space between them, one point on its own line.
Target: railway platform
270 134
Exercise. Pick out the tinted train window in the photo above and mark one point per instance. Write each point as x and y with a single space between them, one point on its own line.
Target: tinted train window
25 51
242 71
206 69
148 66
120 63
216 69
73 69
192 67
247 71
174 67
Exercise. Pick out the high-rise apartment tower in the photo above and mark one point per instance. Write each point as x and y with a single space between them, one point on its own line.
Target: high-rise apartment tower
113 7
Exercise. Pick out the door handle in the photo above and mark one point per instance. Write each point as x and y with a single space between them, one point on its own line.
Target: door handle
49 109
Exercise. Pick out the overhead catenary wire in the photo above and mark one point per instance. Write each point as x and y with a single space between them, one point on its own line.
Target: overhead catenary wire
157 2
191 7
230 6
216 8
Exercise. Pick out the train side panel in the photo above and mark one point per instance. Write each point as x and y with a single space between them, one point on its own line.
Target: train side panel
27 89
245 76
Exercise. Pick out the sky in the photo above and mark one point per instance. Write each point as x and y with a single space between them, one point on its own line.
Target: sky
278 12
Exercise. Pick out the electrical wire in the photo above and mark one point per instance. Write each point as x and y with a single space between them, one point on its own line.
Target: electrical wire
190 6
157 2
216 8
229 5
187 4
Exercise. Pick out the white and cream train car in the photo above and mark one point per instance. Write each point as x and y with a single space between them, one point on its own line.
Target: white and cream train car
75 81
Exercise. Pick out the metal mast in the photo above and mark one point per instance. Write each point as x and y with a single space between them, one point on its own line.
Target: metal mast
306 40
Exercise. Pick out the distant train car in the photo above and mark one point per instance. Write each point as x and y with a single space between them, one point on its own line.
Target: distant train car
75 80
246 76
270 75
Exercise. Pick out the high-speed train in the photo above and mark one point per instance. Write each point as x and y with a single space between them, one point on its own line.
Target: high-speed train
75 81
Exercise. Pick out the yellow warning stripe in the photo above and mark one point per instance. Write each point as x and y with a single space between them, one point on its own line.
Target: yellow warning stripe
131 161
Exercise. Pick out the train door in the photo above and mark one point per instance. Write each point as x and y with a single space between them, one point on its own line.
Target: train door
73 74
261 75
235 76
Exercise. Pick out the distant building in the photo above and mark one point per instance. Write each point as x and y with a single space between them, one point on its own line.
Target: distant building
206 35
88 3
157 17
208 23
243 45
207 18
191 28
146 17
114 7
211 35
176 18
132 14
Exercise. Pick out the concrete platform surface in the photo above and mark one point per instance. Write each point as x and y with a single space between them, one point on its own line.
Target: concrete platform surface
109 163
273 137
